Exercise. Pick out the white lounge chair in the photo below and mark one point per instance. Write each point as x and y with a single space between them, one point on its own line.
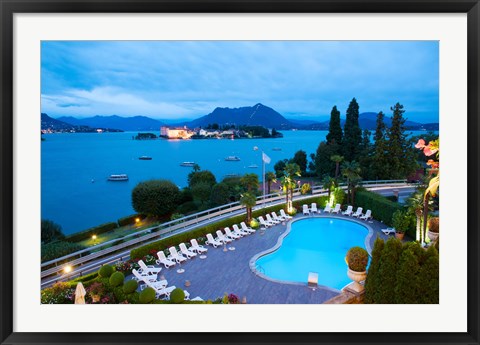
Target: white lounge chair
161 291
196 247
328 209
337 209
143 277
358 212
174 255
222 238
284 215
230 234
367 215
210 240
313 208
279 218
162 259
306 211
349 211
185 251
271 220
246 228
389 231
238 231
150 269
264 223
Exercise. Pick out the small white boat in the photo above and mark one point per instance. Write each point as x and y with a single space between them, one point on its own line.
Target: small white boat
253 166
187 164
118 177
277 149
145 158
232 159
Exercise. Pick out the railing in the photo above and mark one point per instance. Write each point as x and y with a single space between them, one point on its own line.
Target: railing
174 227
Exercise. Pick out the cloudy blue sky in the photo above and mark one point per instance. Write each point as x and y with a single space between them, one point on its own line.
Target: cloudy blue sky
188 79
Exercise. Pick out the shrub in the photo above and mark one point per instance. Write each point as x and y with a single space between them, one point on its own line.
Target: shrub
382 208
434 224
56 250
177 296
429 278
406 287
374 281
155 197
401 221
130 286
388 271
105 271
306 188
59 293
147 295
96 230
339 195
51 231
233 299
85 278
116 279
357 259
130 220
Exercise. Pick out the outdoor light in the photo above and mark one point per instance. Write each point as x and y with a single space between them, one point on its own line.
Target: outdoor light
137 220
94 237
67 269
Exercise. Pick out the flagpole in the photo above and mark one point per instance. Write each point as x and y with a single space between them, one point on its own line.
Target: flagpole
263 179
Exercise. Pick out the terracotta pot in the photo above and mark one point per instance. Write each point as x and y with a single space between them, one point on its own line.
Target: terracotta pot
95 298
399 235
357 277
432 235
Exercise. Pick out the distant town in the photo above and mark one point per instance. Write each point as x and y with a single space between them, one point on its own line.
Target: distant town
216 132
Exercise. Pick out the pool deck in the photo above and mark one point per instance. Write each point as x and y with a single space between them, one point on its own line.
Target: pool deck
229 272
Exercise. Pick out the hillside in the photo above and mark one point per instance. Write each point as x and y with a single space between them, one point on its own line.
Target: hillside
134 123
258 115
50 124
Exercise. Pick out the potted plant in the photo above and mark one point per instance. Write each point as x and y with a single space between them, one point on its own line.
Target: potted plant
357 261
433 227
400 222
96 290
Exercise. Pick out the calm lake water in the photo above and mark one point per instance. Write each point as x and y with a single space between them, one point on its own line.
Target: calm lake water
75 168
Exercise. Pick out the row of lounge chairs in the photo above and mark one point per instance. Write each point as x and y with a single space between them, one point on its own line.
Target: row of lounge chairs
185 254
229 235
272 219
148 275
349 212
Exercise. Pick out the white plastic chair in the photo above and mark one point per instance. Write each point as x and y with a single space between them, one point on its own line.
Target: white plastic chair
162 259
212 241
196 247
184 250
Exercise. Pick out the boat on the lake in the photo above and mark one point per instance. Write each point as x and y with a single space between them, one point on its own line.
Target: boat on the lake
232 159
145 158
277 149
253 166
118 177
187 164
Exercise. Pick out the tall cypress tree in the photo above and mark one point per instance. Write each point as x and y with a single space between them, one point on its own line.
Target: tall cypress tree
335 134
388 271
352 137
379 166
400 153
374 280
406 288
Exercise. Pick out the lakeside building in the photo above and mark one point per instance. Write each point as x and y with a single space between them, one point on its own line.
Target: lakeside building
176 133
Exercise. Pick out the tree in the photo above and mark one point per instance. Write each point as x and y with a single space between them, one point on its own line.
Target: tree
401 156
323 163
406 287
220 194
250 182
380 163
365 156
155 197
335 134
288 183
328 183
351 171
429 278
51 231
388 271
249 201
337 159
374 280
201 176
300 158
352 136
201 192
270 177
279 167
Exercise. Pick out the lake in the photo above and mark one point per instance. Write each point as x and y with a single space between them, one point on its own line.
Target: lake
75 168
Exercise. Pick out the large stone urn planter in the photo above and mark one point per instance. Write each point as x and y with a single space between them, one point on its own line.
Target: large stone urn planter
432 235
357 277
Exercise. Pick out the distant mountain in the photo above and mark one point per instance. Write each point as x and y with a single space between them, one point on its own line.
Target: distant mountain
54 125
258 115
134 123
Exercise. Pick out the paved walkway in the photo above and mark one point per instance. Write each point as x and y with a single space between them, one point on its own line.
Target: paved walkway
229 272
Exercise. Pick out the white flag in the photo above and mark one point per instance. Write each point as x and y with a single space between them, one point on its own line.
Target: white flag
265 158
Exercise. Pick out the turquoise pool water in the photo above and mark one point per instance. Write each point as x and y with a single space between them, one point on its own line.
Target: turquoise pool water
314 245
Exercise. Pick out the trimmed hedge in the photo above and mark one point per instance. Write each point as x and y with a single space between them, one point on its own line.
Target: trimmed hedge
147 295
129 220
97 230
58 249
140 252
116 279
106 271
382 208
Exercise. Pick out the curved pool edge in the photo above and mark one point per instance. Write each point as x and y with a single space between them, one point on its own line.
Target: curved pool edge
254 258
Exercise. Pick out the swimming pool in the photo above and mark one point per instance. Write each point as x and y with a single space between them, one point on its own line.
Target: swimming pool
318 245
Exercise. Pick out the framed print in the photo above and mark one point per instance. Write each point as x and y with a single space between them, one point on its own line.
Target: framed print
163 159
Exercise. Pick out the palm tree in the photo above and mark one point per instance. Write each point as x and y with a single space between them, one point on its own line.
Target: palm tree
288 182
249 201
250 182
415 206
328 183
351 170
337 159
270 177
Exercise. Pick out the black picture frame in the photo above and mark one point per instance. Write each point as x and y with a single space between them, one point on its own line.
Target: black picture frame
10 7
